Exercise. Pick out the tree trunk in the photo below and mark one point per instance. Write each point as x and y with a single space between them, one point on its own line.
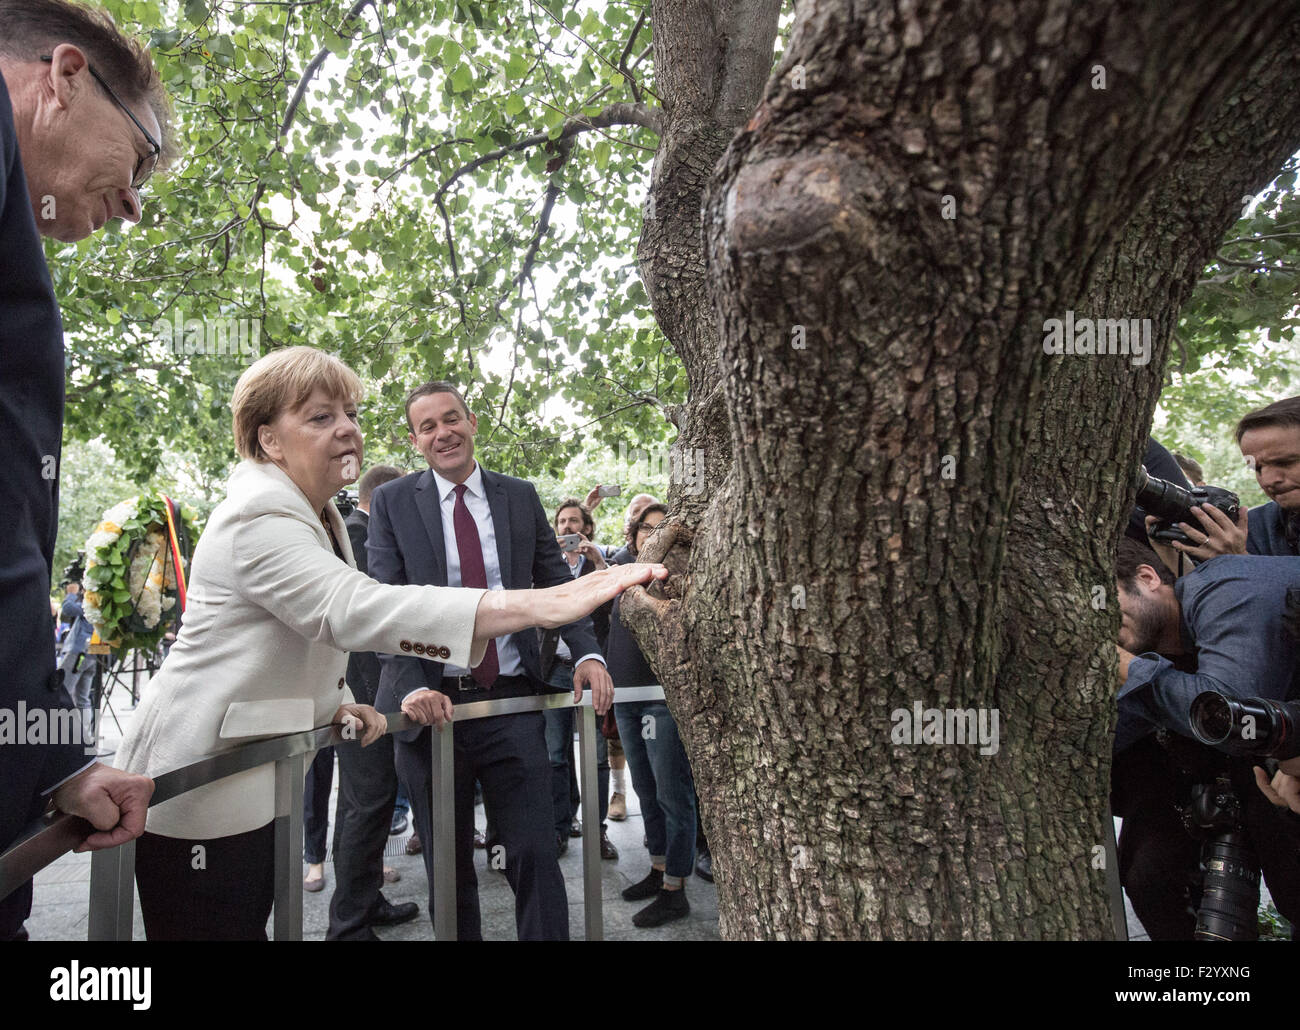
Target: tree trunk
914 503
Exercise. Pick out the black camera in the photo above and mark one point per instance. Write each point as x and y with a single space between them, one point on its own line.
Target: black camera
1172 504
75 571
1209 802
1229 865
1251 727
345 502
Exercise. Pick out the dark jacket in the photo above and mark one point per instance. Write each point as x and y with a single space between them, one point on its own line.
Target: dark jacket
363 666
1266 532
627 665
31 426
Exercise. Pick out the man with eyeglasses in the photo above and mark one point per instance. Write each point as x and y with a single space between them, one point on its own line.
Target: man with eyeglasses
82 112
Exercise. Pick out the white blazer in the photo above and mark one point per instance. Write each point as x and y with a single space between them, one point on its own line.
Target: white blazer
271 615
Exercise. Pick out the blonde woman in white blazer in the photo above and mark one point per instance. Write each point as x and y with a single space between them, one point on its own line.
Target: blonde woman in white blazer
275 603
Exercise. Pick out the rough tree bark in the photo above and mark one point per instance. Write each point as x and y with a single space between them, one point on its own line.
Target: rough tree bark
917 503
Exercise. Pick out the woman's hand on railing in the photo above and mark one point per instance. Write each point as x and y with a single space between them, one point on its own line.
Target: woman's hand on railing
361 721
508 611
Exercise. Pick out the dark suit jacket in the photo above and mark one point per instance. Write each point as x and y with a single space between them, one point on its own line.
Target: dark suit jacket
31 426
406 545
363 666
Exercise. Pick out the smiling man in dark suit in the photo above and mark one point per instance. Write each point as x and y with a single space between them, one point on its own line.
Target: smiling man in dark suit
457 524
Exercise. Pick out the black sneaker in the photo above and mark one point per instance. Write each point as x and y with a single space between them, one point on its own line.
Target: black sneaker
647 888
669 905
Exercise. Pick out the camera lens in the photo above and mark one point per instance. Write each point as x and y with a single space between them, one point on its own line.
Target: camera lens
1211 718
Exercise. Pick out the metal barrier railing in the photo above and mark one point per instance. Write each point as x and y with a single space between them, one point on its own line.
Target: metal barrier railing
112 870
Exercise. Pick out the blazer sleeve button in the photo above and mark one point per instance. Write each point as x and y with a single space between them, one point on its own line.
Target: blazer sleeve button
340 683
419 648
444 652
405 645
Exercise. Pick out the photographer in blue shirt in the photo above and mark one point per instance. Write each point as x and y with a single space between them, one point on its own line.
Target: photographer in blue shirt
1221 627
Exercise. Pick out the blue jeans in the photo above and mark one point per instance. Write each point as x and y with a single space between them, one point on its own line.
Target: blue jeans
559 747
661 777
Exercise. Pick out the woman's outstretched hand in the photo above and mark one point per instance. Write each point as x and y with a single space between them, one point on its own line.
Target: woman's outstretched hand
568 602
508 611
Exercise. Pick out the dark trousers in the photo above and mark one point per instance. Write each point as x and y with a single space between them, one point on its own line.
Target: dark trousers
316 805
220 889
1159 861
367 791
507 754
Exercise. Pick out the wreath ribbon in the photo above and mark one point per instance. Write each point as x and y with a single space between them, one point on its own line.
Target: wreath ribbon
169 508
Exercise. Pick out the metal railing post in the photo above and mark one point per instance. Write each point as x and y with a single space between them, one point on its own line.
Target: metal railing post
112 894
443 759
593 915
287 924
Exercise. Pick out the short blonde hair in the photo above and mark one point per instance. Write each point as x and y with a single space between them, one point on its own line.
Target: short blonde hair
283 381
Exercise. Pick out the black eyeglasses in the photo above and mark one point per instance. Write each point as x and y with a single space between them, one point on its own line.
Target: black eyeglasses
144 166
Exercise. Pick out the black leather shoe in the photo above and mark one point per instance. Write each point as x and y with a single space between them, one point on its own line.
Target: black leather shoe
704 867
399 824
647 888
669 905
387 914
575 828
607 849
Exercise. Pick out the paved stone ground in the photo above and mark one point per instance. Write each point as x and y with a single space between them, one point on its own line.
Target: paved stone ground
63 888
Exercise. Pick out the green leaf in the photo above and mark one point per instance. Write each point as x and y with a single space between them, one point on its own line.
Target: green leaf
517 67
462 78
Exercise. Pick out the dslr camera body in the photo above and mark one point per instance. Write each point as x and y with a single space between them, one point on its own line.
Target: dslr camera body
1172 504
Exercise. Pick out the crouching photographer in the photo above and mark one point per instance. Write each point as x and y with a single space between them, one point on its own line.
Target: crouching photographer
1224 628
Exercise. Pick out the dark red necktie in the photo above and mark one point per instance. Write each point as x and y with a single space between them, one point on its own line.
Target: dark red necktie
473 574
